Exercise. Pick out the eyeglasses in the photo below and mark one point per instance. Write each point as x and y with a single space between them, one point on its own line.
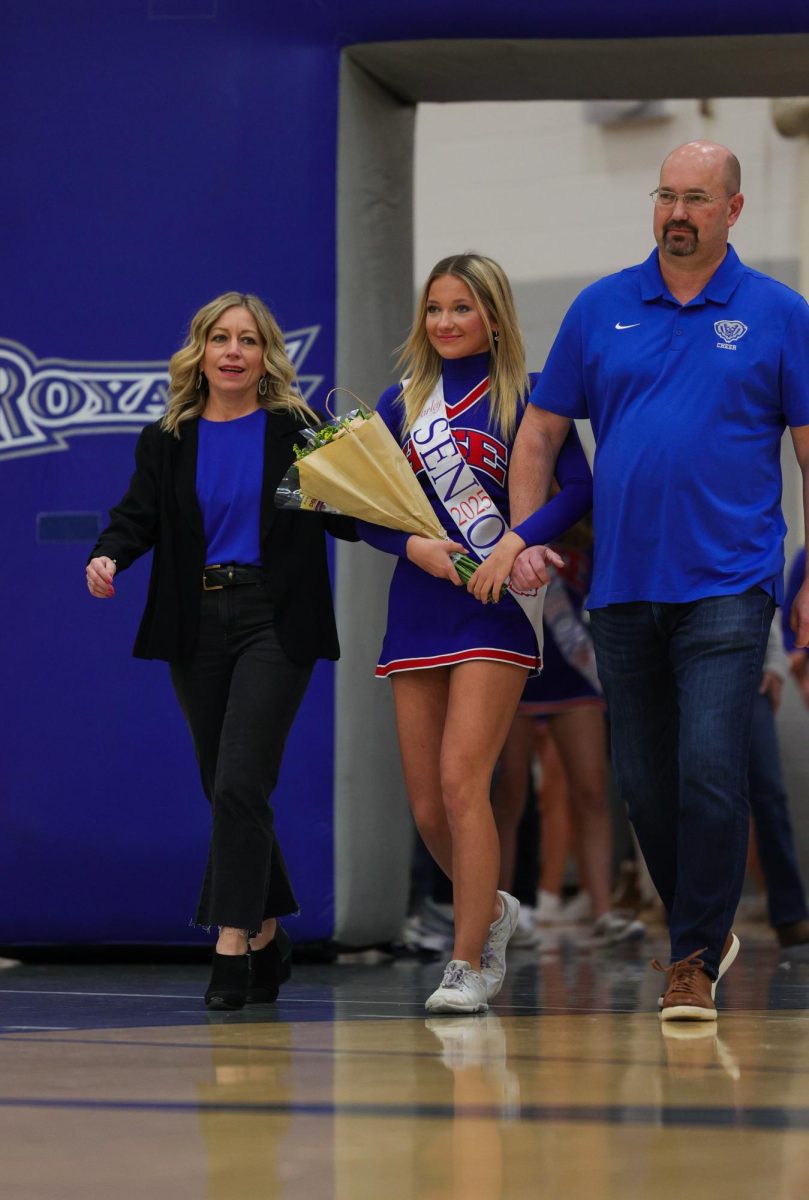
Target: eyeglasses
667 199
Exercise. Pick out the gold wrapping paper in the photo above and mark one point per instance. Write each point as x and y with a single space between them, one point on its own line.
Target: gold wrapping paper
365 474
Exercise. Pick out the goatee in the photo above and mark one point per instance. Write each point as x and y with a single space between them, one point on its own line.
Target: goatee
680 247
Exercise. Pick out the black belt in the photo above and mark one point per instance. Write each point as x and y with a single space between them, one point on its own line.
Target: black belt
222 575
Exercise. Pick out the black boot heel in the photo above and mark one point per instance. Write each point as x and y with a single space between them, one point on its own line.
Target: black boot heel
228 985
269 968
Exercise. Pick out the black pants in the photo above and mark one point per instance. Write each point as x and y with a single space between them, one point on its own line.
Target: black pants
239 694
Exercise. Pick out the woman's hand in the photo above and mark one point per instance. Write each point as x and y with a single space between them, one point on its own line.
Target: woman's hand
434 557
100 572
530 569
487 582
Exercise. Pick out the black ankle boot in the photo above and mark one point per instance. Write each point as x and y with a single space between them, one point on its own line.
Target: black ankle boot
269 968
228 986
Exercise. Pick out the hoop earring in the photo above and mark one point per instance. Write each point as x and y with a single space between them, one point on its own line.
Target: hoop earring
263 386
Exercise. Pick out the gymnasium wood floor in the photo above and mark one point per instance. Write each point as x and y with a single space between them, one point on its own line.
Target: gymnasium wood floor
115 1082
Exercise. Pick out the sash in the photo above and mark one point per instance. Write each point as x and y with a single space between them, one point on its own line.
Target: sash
479 522
569 631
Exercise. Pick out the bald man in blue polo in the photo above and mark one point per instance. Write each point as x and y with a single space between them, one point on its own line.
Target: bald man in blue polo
690 366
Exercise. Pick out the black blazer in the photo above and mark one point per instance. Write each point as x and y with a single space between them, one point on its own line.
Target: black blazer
160 511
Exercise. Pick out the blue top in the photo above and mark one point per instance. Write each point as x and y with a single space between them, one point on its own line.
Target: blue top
688 404
488 456
230 469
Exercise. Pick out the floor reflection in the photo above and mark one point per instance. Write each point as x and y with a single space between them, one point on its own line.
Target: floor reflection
346 1090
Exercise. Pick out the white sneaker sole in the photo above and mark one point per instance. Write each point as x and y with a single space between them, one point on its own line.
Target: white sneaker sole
454 1005
687 1012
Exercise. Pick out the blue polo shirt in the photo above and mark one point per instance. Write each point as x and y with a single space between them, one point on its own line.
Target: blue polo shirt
688 404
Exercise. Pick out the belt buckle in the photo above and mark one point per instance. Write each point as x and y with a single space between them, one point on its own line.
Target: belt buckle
217 587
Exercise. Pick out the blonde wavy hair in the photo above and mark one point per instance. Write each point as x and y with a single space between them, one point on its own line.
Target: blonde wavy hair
420 364
187 400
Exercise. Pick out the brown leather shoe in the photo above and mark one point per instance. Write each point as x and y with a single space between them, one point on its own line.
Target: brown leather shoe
688 996
794 934
729 952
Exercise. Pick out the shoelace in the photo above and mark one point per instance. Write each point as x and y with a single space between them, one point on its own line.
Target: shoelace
683 974
453 977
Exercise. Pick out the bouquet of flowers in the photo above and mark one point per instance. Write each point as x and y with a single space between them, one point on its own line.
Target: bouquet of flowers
354 466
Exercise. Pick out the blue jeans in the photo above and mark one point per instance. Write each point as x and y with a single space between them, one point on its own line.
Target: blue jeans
768 804
680 682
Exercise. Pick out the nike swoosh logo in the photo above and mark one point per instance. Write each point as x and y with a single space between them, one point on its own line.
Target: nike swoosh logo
618 325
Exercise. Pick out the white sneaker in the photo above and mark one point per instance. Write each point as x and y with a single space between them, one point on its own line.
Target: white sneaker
610 929
580 908
549 908
526 935
493 958
462 990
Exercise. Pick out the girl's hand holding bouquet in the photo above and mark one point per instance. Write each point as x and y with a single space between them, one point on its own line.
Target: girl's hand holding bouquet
491 578
435 557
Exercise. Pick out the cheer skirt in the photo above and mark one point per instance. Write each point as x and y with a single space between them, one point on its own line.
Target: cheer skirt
559 688
433 623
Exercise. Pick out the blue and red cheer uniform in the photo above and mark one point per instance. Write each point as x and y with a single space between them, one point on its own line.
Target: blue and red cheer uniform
431 622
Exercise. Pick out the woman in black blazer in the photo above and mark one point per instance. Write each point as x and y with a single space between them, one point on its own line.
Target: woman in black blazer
239 605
